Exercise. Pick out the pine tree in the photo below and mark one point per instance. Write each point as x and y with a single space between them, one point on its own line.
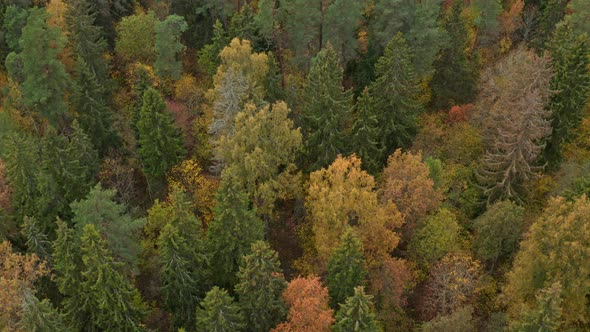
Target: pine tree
15 19
570 60
455 78
340 25
326 109
169 48
160 141
260 286
395 94
231 233
346 269
45 78
219 313
114 302
357 314
365 137
180 278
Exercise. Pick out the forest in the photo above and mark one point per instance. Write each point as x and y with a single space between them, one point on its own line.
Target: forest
294 165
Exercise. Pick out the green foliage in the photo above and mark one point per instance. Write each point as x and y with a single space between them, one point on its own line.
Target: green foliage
160 142
439 236
45 78
41 316
209 54
357 314
547 314
326 110
365 138
461 320
579 12
169 48
346 269
340 25
113 302
36 240
550 12
436 171
136 38
230 234
498 231
486 20
570 60
395 95
260 286
456 73
15 19
219 313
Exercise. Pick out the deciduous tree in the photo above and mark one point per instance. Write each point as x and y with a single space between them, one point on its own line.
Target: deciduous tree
136 38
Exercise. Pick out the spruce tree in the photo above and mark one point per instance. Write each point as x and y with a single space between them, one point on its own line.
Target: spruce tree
260 286
357 314
550 12
45 78
209 54
455 78
180 276
570 60
327 107
41 316
15 18
231 233
115 303
396 95
36 240
346 269
160 142
169 48
218 312
365 139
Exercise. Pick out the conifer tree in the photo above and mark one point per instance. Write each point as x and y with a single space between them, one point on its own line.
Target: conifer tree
570 60
15 18
36 240
327 107
455 78
231 233
41 316
169 48
114 303
578 13
260 286
396 94
365 139
346 269
218 312
160 141
209 54
357 314
550 12
45 78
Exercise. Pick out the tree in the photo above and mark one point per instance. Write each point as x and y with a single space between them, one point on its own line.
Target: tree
570 58
326 109
114 303
461 320
340 25
546 316
456 73
557 241
486 20
260 155
15 19
365 139
578 13
451 283
357 314
218 312
136 38
209 54
231 234
308 306
259 289
439 236
342 197
406 182
346 269
45 78
395 93
41 316
550 12
168 47
498 232
516 123
160 142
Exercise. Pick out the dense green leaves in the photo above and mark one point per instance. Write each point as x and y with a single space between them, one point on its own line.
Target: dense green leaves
219 313
346 269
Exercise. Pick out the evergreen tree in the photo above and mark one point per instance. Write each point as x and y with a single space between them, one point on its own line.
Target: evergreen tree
169 48
396 94
219 313
366 142
45 78
578 13
356 314
36 240
340 24
160 141
570 60
231 233
260 286
41 316
115 303
550 12
209 54
326 109
15 19
180 277
455 78
488 26
346 269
